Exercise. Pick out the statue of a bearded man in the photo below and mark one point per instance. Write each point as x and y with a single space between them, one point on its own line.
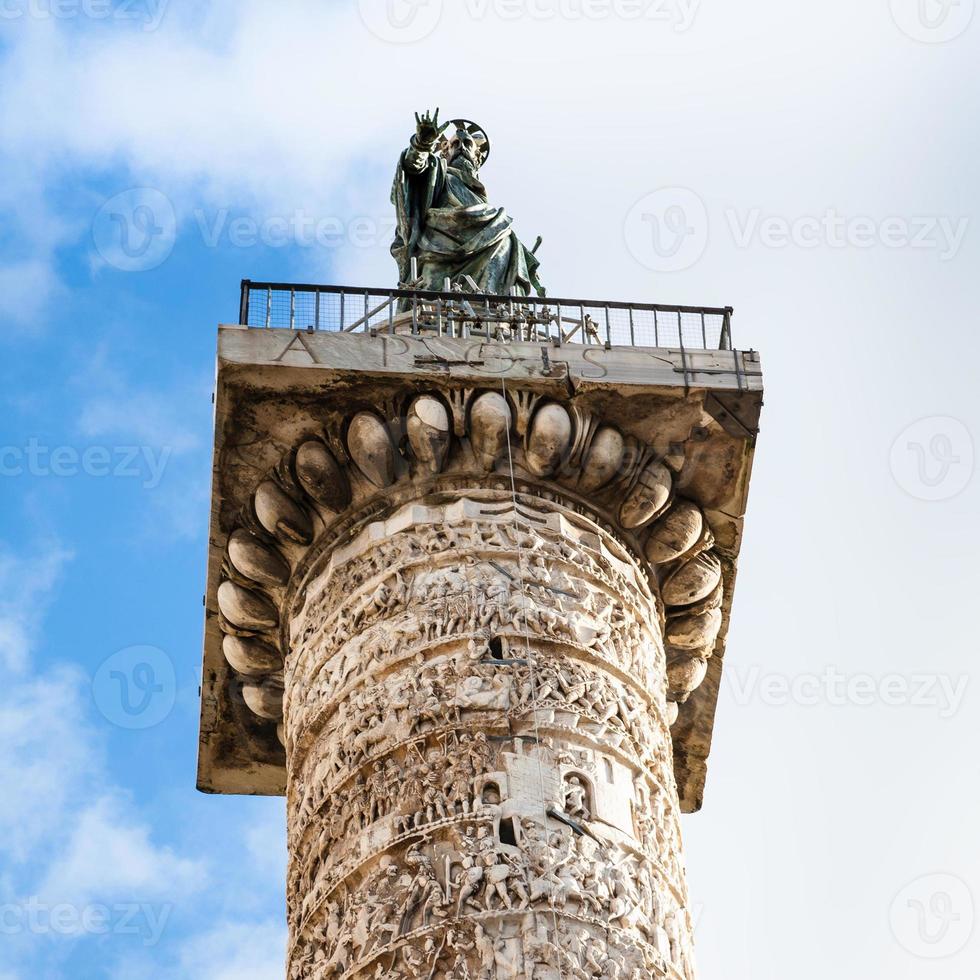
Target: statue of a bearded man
445 221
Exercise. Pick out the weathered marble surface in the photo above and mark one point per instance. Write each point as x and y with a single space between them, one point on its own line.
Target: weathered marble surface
480 778
466 606
318 435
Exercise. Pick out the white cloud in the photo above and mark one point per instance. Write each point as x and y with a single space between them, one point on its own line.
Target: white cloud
148 418
32 232
26 287
265 841
109 856
68 835
50 754
25 587
201 110
236 951
113 406
225 950
159 432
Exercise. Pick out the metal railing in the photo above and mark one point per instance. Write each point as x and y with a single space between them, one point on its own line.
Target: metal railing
295 306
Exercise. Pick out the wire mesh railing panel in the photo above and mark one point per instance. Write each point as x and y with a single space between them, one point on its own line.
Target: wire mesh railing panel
355 309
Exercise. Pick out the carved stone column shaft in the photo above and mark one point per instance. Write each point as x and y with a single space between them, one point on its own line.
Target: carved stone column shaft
478 750
466 607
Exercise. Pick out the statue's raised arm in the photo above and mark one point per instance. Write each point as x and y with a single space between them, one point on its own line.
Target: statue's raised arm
445 220
427 131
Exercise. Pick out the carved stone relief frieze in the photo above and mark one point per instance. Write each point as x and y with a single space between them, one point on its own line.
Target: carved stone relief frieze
474 669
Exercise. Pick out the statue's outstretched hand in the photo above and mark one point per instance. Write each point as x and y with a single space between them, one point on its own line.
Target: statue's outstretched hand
427 128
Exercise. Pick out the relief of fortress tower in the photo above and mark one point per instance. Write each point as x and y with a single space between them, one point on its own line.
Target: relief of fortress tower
472 558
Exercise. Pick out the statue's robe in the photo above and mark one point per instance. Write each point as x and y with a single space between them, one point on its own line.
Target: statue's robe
446 222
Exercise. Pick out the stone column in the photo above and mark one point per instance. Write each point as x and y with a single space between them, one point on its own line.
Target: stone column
467 629
479 760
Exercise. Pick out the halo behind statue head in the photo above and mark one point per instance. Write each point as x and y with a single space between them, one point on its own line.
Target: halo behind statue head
444 146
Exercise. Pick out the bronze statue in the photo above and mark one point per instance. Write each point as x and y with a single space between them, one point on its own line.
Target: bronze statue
445 222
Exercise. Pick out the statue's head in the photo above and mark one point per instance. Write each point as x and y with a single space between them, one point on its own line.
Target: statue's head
463 147
468 145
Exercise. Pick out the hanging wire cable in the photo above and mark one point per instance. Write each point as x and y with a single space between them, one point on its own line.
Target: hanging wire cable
531 659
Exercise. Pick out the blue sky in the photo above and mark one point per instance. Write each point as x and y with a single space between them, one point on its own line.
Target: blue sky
823 159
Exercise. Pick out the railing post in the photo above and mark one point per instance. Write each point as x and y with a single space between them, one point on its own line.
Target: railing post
340 327
680 338
292 309
243 302
608 331
316 309
726 330
268 307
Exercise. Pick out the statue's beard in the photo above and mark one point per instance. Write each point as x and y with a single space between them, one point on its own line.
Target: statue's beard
461 160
